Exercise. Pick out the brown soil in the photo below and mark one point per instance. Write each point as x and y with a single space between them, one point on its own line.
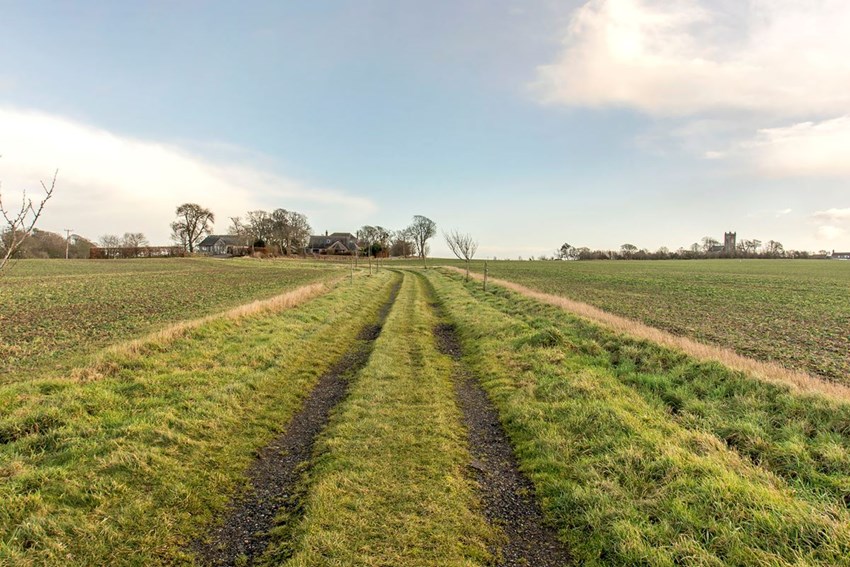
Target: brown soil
273 478
507 495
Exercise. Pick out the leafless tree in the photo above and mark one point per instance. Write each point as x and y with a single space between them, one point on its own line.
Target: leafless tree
402 244
238 228
708 243
463 246
20 224
134 240
774 248
421 230
109 241
192 224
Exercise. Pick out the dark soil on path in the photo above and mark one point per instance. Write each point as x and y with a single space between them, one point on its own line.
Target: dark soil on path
507 495
274 477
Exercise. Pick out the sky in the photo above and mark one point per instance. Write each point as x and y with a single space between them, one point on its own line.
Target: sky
527 124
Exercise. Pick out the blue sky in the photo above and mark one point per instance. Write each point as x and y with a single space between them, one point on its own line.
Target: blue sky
527 124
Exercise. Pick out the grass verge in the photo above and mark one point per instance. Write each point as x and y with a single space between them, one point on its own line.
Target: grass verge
389 485
624 481
129 468
804 438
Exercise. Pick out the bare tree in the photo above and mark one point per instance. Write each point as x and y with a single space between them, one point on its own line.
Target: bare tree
109 241
238 228
402 244
421 230
628 249
463 246
368 235
193 222
774 248
289 230
20 224
134 240
708 243
565 252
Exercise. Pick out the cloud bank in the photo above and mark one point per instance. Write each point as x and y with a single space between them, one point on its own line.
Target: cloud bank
781 67
683 57
114 184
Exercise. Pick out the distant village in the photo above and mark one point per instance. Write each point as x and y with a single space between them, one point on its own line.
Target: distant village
287 233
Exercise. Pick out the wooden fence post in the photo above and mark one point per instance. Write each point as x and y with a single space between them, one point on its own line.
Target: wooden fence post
485 275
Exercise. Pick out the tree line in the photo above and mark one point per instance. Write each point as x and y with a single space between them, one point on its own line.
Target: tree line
707 248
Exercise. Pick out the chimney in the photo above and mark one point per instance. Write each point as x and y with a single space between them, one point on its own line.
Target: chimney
326 233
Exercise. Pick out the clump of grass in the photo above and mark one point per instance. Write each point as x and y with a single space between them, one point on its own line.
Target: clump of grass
389 485
627 482
129 468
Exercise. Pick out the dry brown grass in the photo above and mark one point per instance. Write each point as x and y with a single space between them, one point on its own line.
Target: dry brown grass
765 371
104 367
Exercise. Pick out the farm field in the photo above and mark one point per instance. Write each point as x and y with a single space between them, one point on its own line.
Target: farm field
792 312
342 431
55 313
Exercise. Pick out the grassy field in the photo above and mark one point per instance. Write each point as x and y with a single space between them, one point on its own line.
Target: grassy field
129 468
55 313
792 312
638 454
643 456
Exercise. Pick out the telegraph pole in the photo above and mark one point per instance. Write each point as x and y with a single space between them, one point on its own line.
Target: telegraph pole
67 240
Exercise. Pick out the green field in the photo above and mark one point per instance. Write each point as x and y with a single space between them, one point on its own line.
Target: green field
55 313
638 454
794 312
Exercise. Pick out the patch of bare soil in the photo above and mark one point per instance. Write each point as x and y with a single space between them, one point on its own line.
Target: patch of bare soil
274 477
507 495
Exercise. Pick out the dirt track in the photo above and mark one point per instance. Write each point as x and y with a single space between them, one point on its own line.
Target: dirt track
243 535
507 495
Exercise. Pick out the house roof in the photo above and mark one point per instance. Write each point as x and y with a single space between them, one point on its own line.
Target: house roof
321 241
229 239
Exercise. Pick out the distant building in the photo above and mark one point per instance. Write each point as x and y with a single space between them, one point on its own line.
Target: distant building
730 242
840 255
223 244
728 246
336 243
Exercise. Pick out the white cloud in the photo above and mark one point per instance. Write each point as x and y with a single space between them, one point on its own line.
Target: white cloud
683 57
834 225
807 148
829 232
113 184
835 215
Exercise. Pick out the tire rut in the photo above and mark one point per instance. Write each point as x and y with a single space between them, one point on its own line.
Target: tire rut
506 493
274 476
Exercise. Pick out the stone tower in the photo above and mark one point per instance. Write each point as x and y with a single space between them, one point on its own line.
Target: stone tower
729 242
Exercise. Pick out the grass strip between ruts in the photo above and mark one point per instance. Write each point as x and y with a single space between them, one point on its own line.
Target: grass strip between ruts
127 469
389 485
625 483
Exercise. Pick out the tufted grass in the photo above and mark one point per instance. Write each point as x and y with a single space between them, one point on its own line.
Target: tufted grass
628 480
128 468
390 485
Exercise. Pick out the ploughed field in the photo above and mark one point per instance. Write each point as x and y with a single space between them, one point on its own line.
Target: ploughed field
411 418
794 312
55 313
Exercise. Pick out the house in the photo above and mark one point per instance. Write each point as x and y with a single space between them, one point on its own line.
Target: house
840 255
336 243
222 244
